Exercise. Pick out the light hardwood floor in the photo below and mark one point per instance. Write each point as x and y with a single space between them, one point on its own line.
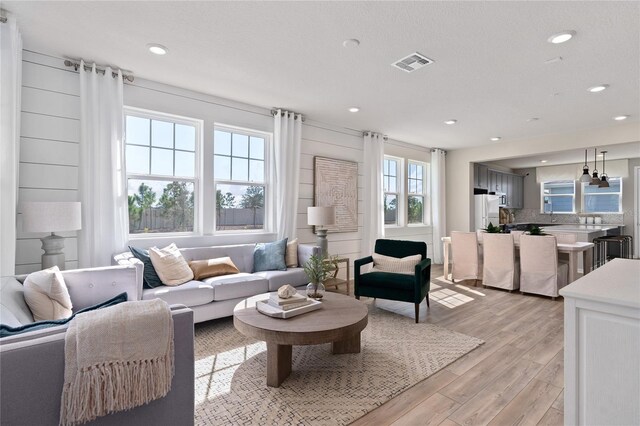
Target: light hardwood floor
516 377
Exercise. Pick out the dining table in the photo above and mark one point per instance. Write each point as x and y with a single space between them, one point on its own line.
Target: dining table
572 249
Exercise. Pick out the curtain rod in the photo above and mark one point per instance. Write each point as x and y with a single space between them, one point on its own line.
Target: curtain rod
76 65
274 111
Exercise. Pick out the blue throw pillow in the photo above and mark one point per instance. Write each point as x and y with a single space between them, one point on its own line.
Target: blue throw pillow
270 256
149 274
5 330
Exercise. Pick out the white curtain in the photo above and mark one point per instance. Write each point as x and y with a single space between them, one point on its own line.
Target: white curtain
101 171
438 203
286 171
373 195
10 90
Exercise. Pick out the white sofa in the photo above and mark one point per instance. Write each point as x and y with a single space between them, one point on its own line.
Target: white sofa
217 296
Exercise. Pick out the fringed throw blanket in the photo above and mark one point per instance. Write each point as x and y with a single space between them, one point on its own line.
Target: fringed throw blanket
117 358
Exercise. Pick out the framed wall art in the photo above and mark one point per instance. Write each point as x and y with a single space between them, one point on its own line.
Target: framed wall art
336 184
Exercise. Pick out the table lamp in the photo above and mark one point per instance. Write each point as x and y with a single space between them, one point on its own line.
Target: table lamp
51 217
321 217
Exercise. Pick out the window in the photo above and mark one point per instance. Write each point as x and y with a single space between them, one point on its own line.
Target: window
602 200
240 170
416 201
391 186
162 180
558 197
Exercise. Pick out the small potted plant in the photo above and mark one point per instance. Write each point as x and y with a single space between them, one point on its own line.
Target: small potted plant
317 269
535 230
492 229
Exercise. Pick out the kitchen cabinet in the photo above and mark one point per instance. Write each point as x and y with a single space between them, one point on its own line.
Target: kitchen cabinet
481 176
502 183
517 189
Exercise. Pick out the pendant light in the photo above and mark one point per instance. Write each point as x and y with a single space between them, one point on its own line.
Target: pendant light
603 178
585 178
594 178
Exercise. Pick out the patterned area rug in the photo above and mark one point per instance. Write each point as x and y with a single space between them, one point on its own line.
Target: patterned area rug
323 389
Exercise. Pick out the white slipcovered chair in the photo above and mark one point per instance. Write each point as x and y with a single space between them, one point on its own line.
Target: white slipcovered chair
516 236
500 268
540 271
565 238
465 257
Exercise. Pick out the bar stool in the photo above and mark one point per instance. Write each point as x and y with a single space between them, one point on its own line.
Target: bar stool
602 248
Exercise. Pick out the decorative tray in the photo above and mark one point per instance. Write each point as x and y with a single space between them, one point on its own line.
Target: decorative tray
265 308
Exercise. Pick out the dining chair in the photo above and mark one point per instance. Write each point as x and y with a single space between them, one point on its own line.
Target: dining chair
540 271
516 236
565 238
464 256
499 266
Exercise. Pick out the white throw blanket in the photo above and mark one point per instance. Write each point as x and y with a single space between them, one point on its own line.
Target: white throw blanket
117 358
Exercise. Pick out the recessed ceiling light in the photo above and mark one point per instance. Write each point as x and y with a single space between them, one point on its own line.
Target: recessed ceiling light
561 37
598 88
451 121
351 43
496 138
354 109
543 161
157 49
621 117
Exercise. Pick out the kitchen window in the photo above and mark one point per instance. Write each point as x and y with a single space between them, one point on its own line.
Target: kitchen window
391 182
602 200
161 152
240 170
416 192
558 196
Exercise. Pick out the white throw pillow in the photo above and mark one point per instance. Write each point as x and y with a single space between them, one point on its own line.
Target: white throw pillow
171 267
291 254
47 296
405 265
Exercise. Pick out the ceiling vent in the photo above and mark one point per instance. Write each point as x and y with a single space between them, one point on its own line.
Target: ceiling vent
412 62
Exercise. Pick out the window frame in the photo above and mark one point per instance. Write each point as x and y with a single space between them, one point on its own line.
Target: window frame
543 195
196 180
267 185
400 211
426 211
584 194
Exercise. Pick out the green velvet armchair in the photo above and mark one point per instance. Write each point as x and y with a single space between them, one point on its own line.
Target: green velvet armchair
391 286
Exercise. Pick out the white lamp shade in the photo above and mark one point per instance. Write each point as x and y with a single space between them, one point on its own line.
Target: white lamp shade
321 215
51 217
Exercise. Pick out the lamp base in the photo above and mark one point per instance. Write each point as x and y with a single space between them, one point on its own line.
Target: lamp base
322 242
53 246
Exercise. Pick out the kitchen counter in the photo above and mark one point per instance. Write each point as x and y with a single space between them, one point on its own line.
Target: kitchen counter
583 229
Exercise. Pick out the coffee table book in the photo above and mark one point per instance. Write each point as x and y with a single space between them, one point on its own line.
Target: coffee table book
264 307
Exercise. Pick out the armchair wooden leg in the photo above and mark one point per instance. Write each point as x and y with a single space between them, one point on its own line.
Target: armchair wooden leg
417 312
357 297
427 300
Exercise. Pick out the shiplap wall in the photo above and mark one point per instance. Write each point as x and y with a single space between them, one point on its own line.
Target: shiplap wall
50 136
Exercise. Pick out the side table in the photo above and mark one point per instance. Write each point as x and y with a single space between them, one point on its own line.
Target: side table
333 280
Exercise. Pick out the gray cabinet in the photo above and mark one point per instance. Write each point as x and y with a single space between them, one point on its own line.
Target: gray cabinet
480 176
504 183
518 192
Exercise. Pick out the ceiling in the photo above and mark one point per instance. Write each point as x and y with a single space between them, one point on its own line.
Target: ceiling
489 72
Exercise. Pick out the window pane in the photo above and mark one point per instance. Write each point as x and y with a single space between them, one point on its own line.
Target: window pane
240 146
419 187
256 148
239 169
239 207
161 134
385 167
412 186
160 206
614 186
559 204
137 160
412 171
416 208
185 164
558 187
392 185
221 142
221 167
256 171
602 203
419 172
137 130
385 183
185 137
390 209
161 162
393 167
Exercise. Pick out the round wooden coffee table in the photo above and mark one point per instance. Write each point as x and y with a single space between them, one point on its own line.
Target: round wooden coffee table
339 321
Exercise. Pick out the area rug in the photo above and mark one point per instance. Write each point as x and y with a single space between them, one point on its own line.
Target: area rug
323 389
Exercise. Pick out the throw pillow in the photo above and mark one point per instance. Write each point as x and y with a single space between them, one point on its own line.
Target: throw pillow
47 296
212 267
404 265
5 330
149 274
171 267
291 254
270 256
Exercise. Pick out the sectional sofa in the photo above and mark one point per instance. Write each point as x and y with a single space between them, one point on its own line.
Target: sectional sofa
217 296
